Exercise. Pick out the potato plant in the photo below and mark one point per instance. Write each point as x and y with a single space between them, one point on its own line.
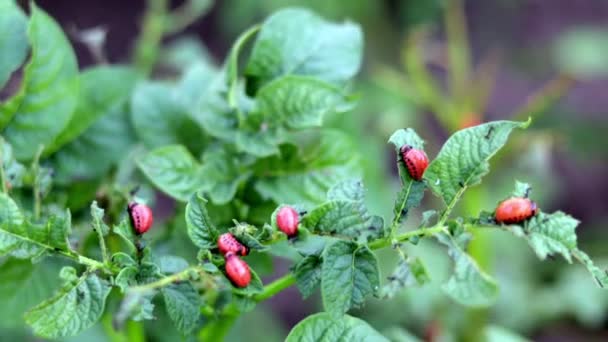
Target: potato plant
222 149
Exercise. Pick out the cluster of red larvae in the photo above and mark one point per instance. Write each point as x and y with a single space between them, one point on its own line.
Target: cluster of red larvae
237 269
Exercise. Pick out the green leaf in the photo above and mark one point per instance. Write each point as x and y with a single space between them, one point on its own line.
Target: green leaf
29 285
103 90
521 189
308 243
201 229
464 158
77 306
126 278
550 234
306 169
22 239
296 102
244 233
13 170
349 273
159 118
13 42
308 274
97 215
194 85
183 305
109 137
49 92
494 333
409 272
344 216
322 327
468 285
173 170
213 112
232 64
412 192
600 275
296 41
404 137
399 334
170 264
125 231
222 173
137 306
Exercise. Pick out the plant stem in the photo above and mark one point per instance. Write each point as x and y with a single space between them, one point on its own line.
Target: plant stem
2 175
176 277
378 244
36 189
153 28
275 287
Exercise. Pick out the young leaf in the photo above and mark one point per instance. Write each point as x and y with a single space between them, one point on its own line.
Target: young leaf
116 83
304 175
201 230
183 304
349 273
409 272
323 327
222 172
412 192
345 217
126 278
468 285
464 158
173 170
46 101
98 224
125 231
296 41
137 306
77 306
13 44
22 239
13 170
308 274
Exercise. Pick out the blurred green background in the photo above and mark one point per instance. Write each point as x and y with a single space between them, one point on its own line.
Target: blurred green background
439 66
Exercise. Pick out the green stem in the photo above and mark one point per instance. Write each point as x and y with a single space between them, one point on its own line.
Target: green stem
275 287
176 277
288 279
458 50
153 28
102 245
382 243
2 175
36 188
545 97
